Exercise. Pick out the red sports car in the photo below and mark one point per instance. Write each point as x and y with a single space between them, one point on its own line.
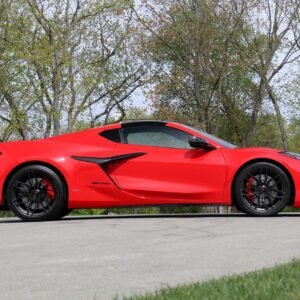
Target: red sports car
141 163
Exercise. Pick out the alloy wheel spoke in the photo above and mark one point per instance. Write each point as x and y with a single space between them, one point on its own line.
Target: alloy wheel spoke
273 179
276 190
21 185
260 175
19 197
267 192
32 196
47 201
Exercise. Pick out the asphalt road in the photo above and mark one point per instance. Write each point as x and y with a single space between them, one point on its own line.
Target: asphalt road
105 257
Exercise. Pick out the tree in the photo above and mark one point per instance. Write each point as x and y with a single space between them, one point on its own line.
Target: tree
221 61
272 50
202 79
187 40
13 108
69 60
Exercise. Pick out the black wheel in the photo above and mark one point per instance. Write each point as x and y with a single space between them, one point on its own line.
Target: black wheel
262 189
36 193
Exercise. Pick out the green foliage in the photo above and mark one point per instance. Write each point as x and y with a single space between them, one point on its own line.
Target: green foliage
203 81
6 214
156 210
81 125
210 64
182 209
276 283
138 210
128 211
64 63
294 135
85 212
137 113
291 209
218 63
266 132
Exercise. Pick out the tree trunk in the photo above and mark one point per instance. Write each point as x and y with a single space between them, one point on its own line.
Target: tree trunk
254 116
274 100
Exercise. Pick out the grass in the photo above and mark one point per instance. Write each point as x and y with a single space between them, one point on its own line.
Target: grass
281 282
6 214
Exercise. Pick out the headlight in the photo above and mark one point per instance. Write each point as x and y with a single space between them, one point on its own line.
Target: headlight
291 154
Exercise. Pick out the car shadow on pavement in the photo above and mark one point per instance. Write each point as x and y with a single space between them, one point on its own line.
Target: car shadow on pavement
152 216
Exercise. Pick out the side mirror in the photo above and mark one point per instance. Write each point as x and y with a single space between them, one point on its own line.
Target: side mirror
200 143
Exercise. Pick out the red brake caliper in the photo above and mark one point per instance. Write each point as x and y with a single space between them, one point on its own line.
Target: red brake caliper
249 189
49 189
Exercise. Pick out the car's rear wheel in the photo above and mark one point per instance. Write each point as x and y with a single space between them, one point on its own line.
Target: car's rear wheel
262 189
36 193
65 213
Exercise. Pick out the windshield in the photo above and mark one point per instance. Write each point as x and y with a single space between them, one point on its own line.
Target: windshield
213 138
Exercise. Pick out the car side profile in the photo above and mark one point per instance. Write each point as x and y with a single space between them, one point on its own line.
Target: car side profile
143 163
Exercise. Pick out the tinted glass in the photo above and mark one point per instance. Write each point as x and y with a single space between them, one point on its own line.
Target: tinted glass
112 135
223 143
159 136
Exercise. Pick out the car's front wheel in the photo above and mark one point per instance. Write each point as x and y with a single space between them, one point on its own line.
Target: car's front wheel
262 189
36 193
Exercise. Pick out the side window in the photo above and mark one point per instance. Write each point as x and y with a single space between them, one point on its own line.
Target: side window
159 136
112 135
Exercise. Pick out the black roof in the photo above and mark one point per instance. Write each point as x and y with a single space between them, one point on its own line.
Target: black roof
135 123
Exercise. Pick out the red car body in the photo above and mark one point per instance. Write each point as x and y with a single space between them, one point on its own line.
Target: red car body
101 173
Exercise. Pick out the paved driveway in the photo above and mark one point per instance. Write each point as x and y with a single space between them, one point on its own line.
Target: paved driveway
101 257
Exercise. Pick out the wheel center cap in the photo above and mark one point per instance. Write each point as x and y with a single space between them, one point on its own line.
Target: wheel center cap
262 189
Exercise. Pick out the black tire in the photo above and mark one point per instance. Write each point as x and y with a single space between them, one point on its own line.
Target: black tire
36 193
262 189
64 213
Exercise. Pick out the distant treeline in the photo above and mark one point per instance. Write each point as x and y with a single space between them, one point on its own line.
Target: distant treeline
230 67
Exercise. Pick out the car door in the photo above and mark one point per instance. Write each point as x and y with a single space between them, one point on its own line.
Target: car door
165 168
